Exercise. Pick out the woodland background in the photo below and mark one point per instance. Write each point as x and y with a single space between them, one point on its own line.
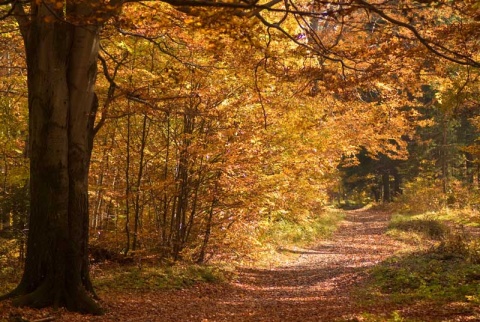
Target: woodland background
221 138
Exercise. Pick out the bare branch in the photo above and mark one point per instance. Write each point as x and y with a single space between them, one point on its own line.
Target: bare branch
262 7
20 15
111 90
208 3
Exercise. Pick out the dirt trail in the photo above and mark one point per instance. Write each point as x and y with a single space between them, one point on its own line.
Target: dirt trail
317 287
320 285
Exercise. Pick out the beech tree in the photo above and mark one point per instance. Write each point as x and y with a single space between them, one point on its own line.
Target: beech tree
61 41
61 60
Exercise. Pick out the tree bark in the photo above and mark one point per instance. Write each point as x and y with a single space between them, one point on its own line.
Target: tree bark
397 182
128 188
386 186
469 167
141 166
61 63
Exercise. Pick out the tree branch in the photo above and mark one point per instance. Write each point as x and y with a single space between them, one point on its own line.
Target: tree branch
20 15
430 45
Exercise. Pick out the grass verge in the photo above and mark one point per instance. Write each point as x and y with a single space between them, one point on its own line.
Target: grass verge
109 277
441 277
156 277
283 231
443 273
417 229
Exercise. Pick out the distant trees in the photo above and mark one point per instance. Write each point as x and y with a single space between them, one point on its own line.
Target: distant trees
14 188
443 148
450 135
165 179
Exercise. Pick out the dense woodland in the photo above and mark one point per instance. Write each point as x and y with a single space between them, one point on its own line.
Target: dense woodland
207 129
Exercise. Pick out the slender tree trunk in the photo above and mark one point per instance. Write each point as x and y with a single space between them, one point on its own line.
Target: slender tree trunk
181 206
127 188
397 182
61 62
97 222
208 227
376 193
193 211
443 156
141 166
469 167
478 172
208 231
386 186
165 198
183 186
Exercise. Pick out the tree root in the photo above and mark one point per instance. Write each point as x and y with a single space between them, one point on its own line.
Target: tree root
75 299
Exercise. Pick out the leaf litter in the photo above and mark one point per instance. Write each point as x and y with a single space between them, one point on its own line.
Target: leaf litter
322 284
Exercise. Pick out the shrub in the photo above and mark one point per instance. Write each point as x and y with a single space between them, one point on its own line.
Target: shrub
10 266
286 231
459 244
420 196
156 277
428 227
428 276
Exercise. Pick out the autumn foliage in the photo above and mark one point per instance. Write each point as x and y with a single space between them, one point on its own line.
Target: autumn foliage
219 124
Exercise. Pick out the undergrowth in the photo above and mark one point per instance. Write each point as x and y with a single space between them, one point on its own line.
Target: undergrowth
428 276
284 231
416 229
10 266
445 270
278 237
111 277
114 276
156 277
271 238
395 316
465 216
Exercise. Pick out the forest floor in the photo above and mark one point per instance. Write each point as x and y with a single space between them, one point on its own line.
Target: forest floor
328 282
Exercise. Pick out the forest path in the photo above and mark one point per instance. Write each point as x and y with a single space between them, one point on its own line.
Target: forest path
318 286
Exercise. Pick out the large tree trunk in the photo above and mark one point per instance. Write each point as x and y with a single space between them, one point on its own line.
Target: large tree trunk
61 61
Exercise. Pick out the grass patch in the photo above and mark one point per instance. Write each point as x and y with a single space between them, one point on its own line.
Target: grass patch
156 277
395 316
447 272
119 277
417 228
284 231
444 273
468 217
433 276
277 238
116 276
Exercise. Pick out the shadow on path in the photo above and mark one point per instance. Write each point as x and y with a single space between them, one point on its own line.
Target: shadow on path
317 287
